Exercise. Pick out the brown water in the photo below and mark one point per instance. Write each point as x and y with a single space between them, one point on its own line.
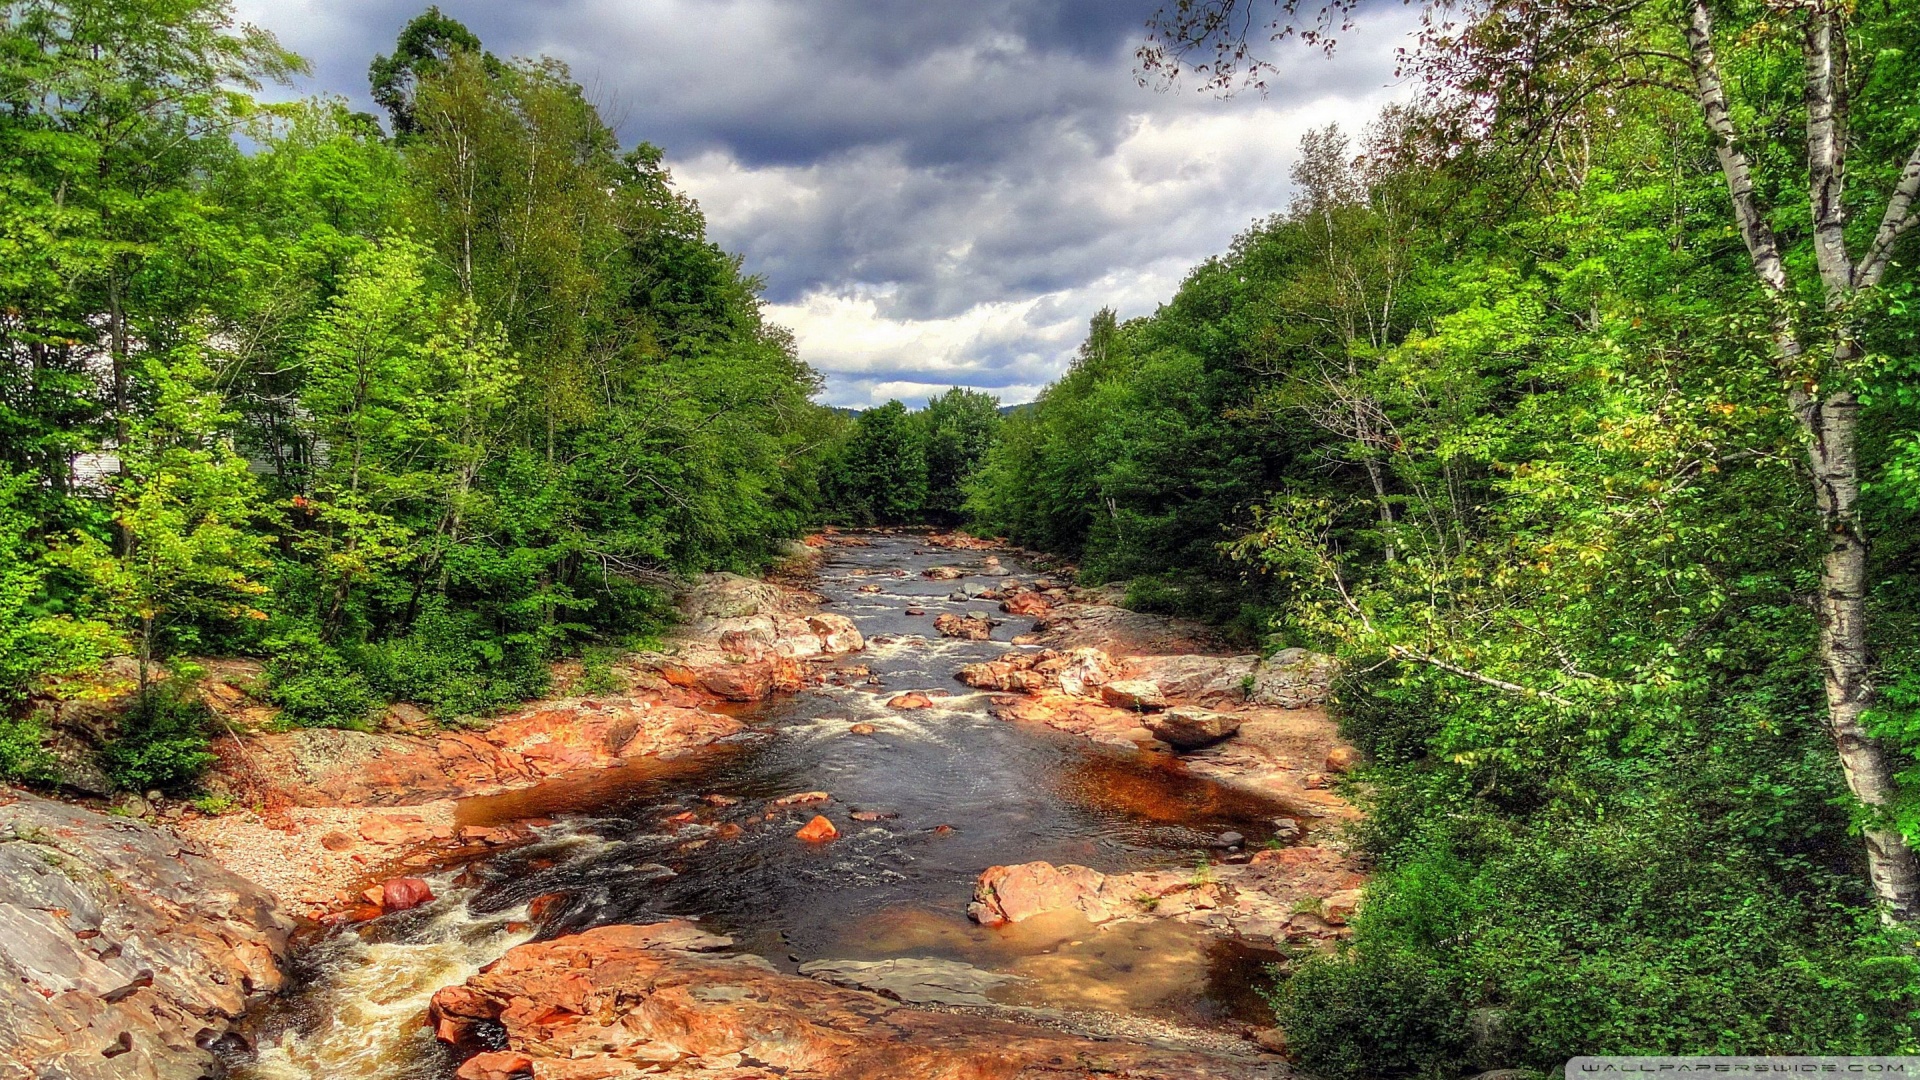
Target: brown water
968 792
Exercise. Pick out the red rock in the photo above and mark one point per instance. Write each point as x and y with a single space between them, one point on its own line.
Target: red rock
802 798
1027 605
973 627
1342 759
497 1065
729 831
403 894
603 1004
942 830
336 841
395 829
943 573
916 611
719 800
862 729
873 815
1009 894
818 831
685 817
543 905
914 700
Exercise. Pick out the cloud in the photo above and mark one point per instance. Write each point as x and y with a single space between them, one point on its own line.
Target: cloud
934 194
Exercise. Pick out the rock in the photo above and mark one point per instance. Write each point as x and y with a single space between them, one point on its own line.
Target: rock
497 1065
404 894
1027 605
912 979
1340 907
1189 728
1010 894
916 611
336 840
719 800
1342 759
868 589
1197 680
122 952
730 596
802 798
1271 1039
861 729
1293 679
1229 840
974 590
943 573
914 700
395 829
1117 630
627 1001
818 831
973 627
873 815
1285 828
1137 694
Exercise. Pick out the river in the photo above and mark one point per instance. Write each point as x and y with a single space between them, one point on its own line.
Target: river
947 791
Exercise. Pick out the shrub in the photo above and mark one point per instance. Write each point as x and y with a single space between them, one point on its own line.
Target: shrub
163 741
456 666
23 753
315 686
597 675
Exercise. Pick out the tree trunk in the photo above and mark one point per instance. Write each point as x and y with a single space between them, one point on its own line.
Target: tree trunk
1845 657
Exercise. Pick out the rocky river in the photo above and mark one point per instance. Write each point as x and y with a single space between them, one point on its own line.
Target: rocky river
977 816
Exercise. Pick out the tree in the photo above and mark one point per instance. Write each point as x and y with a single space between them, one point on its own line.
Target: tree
886 465
1533 72
185 553
959 427
425 44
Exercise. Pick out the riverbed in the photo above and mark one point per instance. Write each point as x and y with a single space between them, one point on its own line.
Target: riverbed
924 800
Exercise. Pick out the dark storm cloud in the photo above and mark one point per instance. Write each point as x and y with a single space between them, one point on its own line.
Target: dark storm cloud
933 192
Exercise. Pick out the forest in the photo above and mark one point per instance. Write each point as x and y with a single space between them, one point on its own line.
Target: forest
1520 414
1578 429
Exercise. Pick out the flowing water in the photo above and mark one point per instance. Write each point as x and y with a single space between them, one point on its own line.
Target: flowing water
962 791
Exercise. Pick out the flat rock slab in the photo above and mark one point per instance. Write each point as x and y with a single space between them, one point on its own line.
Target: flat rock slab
916 980
123 951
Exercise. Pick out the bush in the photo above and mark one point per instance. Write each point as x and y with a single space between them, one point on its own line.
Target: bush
23 753
163 741
316 687
597 675
456 667
1370 1012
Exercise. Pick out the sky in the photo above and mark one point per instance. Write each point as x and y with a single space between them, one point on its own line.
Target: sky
935 193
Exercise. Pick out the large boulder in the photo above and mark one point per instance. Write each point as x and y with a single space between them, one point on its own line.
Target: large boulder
730 596
1011 894
1140 695
1293 679
1190 728
1192 679
123 953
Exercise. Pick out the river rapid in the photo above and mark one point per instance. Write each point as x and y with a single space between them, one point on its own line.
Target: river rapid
946 791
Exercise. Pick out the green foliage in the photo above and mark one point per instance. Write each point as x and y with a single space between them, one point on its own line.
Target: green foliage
163 741
23 753
409 417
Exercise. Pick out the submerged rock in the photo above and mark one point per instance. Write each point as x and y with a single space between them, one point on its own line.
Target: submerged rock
916 980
